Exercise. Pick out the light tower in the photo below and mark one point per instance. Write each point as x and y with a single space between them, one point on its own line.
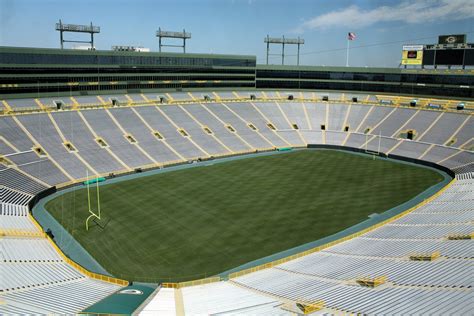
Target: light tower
76 28
169 34
283 41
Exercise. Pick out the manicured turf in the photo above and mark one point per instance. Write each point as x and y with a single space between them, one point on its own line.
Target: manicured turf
201 221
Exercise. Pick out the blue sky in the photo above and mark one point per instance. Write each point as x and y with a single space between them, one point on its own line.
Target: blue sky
239 26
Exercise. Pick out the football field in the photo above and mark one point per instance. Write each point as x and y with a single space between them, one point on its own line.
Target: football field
200 221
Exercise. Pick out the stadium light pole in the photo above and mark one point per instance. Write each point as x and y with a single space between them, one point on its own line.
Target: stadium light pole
283 51
76 28
170 34
268 46
283 41
298 54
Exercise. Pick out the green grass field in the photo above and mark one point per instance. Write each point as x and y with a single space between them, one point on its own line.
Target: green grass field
197 222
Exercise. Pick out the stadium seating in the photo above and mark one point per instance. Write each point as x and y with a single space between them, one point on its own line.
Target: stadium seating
132 123
160 122
224 115
35 279
51 103
16 180
222 297
207 143
65 297
108 139
163 303
194 131
76 131
87 100
249 114
23 104
226 137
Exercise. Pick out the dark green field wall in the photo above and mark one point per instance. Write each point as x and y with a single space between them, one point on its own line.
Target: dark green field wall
396 157
38 72
204 212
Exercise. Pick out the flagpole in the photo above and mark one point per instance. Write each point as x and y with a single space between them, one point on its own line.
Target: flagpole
347 53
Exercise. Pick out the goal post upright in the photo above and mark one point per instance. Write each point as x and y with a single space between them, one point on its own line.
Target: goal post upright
373 153
98 195
378 150
88 191
91 212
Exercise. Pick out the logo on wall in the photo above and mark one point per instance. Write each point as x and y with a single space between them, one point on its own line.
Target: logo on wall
131 292
451 39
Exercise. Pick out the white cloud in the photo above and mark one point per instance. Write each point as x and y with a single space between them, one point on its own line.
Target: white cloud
415 11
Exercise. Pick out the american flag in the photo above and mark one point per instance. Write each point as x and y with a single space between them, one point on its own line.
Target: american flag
351 36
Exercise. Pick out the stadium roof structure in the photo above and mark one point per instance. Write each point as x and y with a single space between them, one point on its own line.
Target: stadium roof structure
26 50
368 69
56 51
